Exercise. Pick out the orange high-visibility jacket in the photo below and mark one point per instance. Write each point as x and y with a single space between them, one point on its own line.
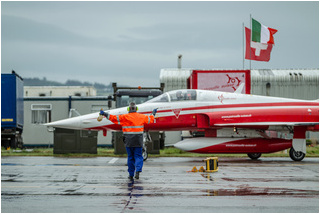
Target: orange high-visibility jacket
132 123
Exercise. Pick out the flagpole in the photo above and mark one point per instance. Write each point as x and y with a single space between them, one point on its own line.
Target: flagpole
250 40
243 45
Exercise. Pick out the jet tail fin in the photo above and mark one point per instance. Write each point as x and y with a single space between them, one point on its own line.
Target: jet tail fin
239 89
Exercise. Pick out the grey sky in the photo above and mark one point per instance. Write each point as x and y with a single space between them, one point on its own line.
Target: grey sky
129 42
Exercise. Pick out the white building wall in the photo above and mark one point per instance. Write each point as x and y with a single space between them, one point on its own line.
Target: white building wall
59 91
37 134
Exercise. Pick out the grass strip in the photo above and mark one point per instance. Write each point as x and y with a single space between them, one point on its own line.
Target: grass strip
312 151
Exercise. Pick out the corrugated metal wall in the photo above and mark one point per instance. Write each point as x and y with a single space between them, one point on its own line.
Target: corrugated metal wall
174 78
289 83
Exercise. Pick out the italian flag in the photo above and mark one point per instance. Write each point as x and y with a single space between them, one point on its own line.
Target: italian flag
261 33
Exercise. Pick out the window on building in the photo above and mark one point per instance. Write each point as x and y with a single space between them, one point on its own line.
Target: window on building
268 86
41 113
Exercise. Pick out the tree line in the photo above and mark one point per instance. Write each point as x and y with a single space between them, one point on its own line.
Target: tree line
44 82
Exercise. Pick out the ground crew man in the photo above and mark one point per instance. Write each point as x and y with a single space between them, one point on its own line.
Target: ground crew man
132 128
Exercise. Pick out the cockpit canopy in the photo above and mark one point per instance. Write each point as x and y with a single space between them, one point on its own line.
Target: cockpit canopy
177 95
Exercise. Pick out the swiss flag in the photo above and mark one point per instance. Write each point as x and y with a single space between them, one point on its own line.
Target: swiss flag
257 51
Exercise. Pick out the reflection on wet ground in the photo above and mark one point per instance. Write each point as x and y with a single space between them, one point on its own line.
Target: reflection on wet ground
251 191
46 184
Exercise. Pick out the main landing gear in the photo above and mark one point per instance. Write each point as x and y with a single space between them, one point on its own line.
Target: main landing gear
294 155
254 156
144 153
146 139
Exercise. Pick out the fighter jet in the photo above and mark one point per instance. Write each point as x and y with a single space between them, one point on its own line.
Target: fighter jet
230 122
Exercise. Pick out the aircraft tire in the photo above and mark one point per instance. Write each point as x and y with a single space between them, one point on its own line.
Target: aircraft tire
144 155
296 156
254 156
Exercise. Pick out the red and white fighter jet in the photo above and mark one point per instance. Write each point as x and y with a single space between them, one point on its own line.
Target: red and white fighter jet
231 122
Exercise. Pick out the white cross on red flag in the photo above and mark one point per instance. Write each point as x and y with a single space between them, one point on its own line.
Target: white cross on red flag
255 50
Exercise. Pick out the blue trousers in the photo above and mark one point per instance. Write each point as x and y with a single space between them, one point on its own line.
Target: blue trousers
135 160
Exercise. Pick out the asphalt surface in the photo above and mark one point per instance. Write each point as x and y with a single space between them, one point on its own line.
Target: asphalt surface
94 185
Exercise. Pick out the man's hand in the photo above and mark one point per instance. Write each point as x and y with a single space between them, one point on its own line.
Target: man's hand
104 113
154 111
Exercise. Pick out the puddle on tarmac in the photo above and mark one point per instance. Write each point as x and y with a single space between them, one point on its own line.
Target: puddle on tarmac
260 192
21 164
282 179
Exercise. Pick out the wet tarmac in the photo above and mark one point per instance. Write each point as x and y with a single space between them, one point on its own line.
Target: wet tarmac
94 185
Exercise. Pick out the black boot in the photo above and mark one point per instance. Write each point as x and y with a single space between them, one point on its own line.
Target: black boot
137 175
131 178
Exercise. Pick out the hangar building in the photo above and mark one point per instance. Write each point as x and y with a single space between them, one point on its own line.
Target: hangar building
288 83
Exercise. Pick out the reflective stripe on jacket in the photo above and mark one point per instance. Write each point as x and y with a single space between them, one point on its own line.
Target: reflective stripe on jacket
132 123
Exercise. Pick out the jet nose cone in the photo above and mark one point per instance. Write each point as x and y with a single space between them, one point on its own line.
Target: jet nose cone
70 123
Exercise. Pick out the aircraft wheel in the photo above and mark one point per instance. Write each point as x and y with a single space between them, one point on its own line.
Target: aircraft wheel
144 154
296 156
254 156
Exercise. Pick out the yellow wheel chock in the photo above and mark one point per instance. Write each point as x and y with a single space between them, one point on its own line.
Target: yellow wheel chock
211 165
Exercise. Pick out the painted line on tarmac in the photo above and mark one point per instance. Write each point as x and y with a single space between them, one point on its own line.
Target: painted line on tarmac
113 160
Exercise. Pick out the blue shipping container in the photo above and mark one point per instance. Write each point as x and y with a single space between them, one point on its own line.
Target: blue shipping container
11 101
